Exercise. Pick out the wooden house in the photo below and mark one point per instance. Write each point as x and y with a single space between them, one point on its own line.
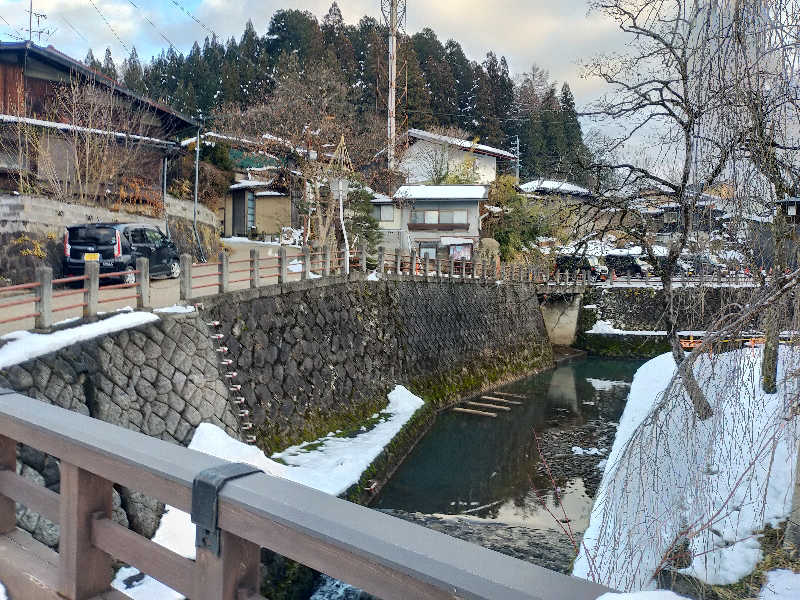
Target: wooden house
55 112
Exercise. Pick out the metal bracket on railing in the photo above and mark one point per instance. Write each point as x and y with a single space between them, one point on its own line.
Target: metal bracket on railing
205 501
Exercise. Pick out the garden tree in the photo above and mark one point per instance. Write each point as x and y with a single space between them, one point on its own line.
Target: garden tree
515 222
361 225
108 67
89 162
132 73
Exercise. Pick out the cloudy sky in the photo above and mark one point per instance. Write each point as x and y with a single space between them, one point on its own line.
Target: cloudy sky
555 34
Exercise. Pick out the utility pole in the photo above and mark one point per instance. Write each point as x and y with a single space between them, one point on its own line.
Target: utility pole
392 124
516 163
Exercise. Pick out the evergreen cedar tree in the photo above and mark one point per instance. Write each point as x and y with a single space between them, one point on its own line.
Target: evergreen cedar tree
444 88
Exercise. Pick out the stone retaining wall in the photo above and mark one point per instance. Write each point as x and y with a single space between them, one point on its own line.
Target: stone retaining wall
161 379
318 356
32 230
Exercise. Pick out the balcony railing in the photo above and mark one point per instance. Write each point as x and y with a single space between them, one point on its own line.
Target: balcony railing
438 226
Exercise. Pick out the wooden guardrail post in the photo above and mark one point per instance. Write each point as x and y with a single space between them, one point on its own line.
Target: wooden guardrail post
231 575
283 265
363 258
381 259
186 277
224 272
84 570
425 267
346 254
44 275
413 268
92 283
398 262
306 262
8 462
327 259
438 269
255 268
143 284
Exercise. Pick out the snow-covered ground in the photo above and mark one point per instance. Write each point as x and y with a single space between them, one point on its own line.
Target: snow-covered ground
331 464
710 484
24 345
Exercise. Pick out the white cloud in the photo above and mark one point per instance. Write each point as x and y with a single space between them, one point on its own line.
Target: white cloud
554 35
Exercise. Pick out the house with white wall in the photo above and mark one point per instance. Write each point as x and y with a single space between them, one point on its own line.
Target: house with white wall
435 220
429 154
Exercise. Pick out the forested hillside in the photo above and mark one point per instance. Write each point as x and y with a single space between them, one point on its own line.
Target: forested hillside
444 88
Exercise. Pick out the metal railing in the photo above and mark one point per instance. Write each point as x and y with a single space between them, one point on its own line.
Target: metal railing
383 555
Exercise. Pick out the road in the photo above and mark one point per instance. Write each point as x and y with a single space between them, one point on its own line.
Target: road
163 292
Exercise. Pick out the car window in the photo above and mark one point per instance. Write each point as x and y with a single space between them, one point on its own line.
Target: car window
92 235
153 236
138 236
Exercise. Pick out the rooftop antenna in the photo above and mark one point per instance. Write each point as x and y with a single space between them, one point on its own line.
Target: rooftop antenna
39 18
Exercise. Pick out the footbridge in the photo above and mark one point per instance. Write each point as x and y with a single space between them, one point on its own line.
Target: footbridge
382 555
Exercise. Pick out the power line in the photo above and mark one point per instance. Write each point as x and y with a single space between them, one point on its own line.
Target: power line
19 33
180 6
108 24
78 33
153 25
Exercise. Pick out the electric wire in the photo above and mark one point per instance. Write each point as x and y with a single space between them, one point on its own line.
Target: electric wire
108 24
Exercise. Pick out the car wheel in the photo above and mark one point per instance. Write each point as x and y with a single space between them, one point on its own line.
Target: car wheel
129 277
175 270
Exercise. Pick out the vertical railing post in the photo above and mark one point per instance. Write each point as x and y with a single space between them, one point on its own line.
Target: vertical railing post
186 277
306 262
413 264
44 275
255 268
231 575
327 259
381 258
283 265
438 268
346 254
398 262
84 571
425 266
8 462
364 258
463 269
452 272
224 273
143 283
92 284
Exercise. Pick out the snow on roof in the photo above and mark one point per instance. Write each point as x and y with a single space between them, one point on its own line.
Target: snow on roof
270 193
464 144
442 192
554 187
249 183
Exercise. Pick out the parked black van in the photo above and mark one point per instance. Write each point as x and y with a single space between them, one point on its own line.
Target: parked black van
116 246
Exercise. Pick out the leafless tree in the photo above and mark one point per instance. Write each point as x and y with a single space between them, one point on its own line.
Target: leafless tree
96 149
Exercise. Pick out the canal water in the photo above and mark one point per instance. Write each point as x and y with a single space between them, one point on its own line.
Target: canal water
516 482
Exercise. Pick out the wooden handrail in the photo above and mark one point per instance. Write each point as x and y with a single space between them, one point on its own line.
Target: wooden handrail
383 555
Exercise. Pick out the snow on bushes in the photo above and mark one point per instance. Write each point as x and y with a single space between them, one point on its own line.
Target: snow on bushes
691 494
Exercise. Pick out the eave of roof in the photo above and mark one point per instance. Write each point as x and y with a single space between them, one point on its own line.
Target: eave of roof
465 145
50 54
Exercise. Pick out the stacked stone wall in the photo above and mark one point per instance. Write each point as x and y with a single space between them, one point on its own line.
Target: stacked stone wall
160 379
313 356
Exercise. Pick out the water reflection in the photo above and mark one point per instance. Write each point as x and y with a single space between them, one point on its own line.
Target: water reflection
486 468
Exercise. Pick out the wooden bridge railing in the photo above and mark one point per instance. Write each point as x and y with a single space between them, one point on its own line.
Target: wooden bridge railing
383 555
